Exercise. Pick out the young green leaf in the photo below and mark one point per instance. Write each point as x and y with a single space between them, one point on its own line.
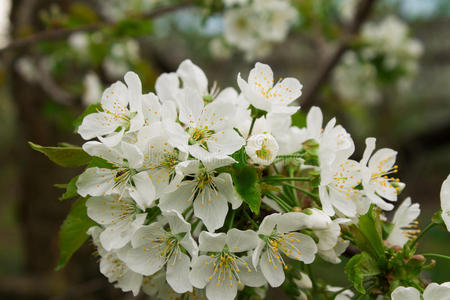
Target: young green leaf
247 186
73 232
69 157
360 267
71 189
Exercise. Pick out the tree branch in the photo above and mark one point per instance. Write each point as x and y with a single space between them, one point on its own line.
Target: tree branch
333 59
56 34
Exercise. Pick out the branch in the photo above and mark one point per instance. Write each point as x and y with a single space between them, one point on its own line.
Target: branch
332 60
57 34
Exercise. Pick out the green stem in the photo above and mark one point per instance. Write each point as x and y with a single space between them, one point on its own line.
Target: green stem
312 195
294 193
230 225
414 242
251 126
194 225
280 178
434 255
310 274
250 218
280 201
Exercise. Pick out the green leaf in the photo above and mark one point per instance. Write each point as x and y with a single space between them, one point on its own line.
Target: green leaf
360 267
73 232
247 186
93 108
370 226
241 157
69 157
100 163
71 189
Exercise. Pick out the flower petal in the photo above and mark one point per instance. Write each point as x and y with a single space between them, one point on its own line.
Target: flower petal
177 272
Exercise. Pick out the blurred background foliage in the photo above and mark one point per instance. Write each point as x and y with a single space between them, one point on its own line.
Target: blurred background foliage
45 85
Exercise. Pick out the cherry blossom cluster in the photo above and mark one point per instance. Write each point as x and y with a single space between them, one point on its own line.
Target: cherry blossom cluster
386 55
254 27
170 200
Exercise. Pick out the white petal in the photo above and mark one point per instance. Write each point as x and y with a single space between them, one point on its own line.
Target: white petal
342 202
402 293
193 77
249 275
268 224
151 108
240 241
101 150
133 155
383 159
445 202
166 85
325 200
435 291
134 90
261 76
145 260
179 199
103 210
177 222
130 282
212 242
225 186
225 142
271 269
98 124
115 98
314 121
285 91
302 243
178 272
212 163
96 182
143 192
222 291
370 146
202 268
112 139
211 207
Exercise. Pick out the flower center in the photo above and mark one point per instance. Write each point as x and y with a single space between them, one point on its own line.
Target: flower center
264 153
278 243
226 268
200 135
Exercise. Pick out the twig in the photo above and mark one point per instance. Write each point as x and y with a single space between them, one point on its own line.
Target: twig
56 34
332 60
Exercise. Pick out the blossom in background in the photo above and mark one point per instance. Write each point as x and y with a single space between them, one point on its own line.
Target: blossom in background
261 92
433 291
92 89
254 27
155 247
404 221
221 270
445 202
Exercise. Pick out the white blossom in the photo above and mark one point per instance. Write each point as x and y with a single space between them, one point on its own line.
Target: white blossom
432 291
208 192
262 149
222 269
404 223
261 92
445 202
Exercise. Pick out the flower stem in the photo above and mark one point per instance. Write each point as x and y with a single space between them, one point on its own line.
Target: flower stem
312 195
230 225
281 178
434 255
280 201
294 193
250 218
251 126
